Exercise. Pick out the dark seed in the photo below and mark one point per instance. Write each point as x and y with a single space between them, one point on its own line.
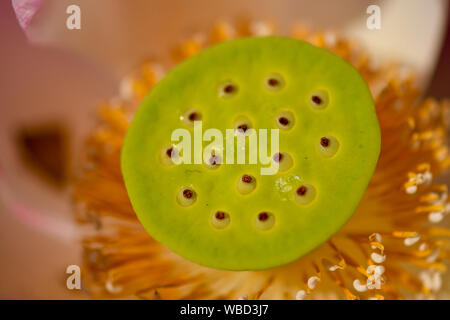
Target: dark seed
220 215
188 194
325 142
229 88
213 160
193 116
242 127
301 191
263 216
169 152
316 99
273 82
246 178
277 157
284 121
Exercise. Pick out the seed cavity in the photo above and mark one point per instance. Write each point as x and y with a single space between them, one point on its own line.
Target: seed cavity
228 90
285 120
264 220
274 82
191 115
328 146
220 219
283 160
186 197
305 194
319 99
169 156
246 184
214 161
242 125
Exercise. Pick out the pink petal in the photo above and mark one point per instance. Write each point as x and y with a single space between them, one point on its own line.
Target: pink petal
25 11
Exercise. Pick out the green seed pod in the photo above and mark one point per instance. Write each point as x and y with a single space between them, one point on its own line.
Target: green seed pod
329 139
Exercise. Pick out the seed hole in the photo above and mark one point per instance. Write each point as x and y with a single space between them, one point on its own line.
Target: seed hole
283 160
305 194
301 191
263 216
278 157
328 146
191 115
274 82
169 156
169 152
220 219
214 160
325 142
242 128
186 197
285 120
319 99
264 220
246 184
227 90
242 125
188 194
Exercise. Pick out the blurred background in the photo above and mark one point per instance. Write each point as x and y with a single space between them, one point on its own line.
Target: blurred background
52 79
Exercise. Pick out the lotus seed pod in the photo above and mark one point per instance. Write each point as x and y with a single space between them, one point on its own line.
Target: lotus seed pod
329 143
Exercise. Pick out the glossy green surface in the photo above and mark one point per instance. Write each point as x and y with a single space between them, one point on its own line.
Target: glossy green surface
339 177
